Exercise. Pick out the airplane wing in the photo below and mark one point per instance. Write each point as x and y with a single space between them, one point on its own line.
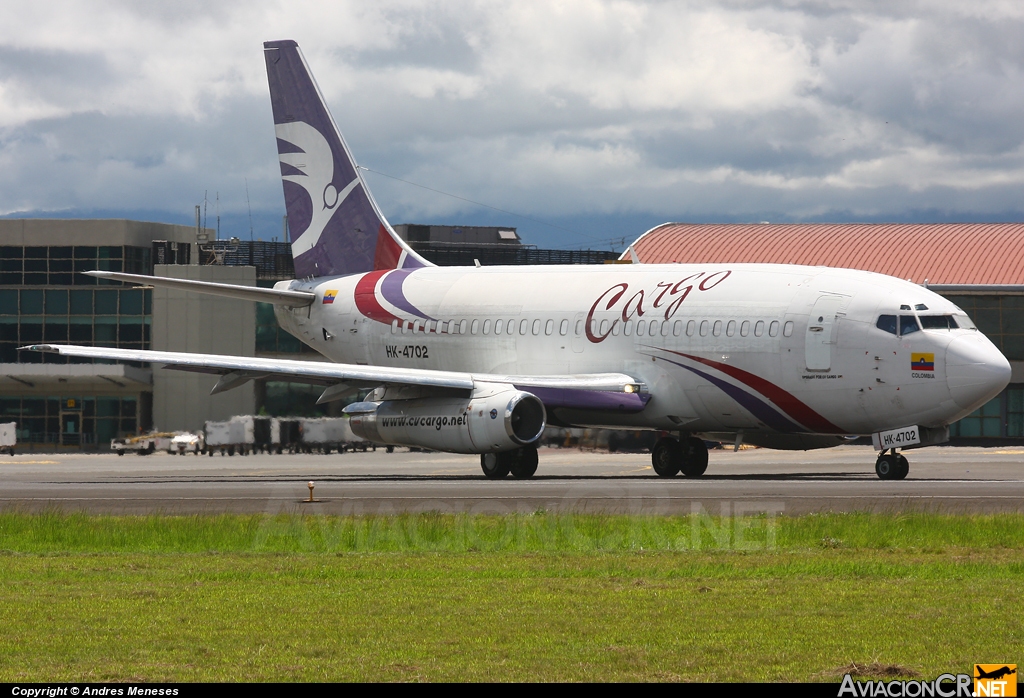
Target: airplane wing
595 391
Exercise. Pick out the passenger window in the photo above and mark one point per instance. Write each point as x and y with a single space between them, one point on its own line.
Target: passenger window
579 327
615 328
394 327
744 328
510 328
908 324
487 327
677 328
444 326
498 324
462 327
759 328
787 329
475 327
773 329
691 327
704 328
524 325
730 329
563 328
604 327
716 330
627 329
653 325
641 325
417 327
536 327
887 323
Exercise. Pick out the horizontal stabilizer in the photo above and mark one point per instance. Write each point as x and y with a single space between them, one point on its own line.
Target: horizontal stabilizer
292 299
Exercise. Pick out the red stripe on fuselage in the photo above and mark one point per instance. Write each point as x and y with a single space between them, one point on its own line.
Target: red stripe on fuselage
787 402
366 297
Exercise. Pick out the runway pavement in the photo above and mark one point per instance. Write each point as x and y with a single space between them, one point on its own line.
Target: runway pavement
947 479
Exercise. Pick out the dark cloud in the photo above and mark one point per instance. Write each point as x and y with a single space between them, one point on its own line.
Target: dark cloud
628 113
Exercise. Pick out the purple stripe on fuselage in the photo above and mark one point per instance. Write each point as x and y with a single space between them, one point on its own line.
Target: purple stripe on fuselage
755 406
391 290
602 400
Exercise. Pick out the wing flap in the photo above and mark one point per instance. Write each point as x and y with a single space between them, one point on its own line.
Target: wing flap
597 391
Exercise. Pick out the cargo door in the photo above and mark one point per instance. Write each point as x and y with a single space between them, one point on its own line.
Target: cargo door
821 332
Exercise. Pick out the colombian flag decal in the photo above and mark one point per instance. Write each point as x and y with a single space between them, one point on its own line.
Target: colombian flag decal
922 362
331 294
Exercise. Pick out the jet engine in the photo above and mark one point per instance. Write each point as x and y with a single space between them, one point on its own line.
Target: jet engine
494 418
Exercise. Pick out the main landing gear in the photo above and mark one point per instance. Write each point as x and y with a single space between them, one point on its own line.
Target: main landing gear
689 457
891 465
520 462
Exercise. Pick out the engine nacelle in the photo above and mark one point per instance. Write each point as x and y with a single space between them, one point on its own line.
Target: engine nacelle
495 418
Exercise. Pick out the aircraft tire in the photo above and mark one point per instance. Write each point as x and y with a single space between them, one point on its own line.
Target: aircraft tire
495 465
666 457
694 457
525 463
886 467
903 467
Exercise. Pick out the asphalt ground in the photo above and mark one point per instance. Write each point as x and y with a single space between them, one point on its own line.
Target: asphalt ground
943 479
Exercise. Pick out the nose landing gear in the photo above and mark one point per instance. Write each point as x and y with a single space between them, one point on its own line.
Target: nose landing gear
891 465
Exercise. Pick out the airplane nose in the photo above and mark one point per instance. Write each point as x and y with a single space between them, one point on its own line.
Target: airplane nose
975 371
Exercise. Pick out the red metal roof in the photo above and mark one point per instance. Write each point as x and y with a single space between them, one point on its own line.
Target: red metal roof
947 253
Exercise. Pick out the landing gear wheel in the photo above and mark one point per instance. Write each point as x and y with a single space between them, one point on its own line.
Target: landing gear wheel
887 466
694 457
495 465
903 467
525 463
666 457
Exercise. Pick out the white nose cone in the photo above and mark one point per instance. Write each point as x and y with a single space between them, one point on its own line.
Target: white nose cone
975 371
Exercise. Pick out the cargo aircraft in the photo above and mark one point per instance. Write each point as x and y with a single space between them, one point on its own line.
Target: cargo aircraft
480 359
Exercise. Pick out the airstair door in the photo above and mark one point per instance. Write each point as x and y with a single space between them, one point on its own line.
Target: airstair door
821 333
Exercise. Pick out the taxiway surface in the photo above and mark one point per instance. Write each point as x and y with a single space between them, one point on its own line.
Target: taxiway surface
949 479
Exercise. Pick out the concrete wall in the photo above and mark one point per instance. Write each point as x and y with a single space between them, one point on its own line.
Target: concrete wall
71 231
204 324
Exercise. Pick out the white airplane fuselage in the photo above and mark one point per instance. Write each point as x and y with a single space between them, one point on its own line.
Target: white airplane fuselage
723 348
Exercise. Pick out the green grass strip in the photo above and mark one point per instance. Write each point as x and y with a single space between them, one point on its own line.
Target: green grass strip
57 532
547 597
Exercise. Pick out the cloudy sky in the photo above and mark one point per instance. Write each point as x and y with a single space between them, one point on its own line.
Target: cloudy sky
599 118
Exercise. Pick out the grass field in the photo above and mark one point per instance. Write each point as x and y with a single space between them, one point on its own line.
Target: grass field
541 597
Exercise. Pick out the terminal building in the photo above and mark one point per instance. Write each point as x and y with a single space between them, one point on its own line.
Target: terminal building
82 403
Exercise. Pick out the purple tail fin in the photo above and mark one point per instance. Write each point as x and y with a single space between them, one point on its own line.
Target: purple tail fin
336 226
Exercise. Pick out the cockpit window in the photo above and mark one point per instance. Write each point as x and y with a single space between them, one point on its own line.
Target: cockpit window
938 322
920 306
908 324
965 322
887 323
